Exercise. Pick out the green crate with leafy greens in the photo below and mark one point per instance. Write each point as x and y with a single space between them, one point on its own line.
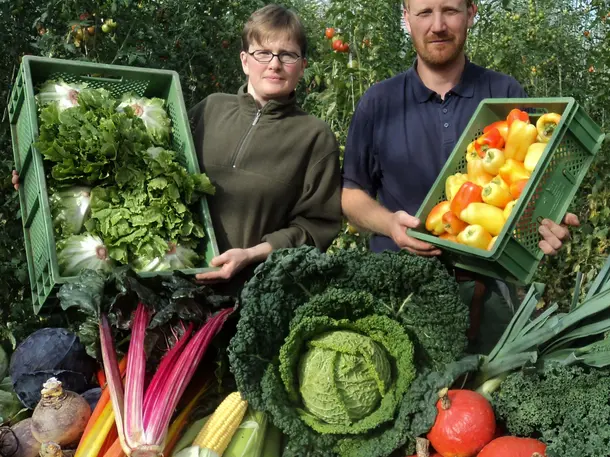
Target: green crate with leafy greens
108 173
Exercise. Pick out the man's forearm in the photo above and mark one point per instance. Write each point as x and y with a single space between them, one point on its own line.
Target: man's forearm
364 212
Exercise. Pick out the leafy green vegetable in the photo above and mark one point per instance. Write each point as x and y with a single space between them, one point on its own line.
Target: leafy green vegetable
59 93
3 363
10 406
147 209
88 142
351 379
567 407
79 252
172 298
300 294
70 208
152 112
178 257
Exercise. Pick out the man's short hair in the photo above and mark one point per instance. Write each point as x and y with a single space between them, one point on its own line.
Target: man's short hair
270 22
469 3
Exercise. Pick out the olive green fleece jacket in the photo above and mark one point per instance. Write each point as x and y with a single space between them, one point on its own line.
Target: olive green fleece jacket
276 172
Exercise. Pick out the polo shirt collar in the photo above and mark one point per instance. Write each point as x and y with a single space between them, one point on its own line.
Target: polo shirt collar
465 88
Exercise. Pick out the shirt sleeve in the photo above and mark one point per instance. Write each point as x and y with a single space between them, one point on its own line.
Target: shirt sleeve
515 90
316 217
360 164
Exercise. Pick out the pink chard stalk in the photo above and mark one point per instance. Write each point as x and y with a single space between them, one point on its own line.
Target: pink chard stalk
143 418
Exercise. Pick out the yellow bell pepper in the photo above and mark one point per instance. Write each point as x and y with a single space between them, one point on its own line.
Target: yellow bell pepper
474 236
520 136
546 125
471 152
434 221
490 246
496 195
513 171
508 209
477 174
500 182
493 160
534 153
490 217
453 184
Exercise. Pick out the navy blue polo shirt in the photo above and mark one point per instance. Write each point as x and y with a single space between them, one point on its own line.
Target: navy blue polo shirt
402 133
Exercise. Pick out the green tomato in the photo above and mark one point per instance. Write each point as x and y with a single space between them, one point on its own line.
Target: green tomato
353 64
105 28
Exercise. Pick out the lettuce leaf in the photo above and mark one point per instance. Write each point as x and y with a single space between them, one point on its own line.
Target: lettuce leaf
88 142
153 114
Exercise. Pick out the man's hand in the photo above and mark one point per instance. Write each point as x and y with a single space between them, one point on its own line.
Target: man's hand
15 180
400 222
554 234
230 262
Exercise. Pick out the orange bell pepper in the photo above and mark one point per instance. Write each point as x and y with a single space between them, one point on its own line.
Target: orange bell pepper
546 125
496 195
516 188
434 221
448 237
491 139
474 236
490 217
521 136
477 173
533 155
517 114
453 184
468 193
490 246
493 160
512 171
508 209
453 224
502 127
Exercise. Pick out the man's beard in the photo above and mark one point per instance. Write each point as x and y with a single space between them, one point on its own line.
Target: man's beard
441 59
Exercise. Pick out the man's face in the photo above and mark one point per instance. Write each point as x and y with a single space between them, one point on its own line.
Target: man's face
438 29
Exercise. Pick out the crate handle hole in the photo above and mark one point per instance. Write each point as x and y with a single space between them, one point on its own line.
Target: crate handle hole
569 176
109 79
539 219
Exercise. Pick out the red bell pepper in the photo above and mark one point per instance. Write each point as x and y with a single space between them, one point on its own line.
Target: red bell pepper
502 127
517 114
491 139
468 193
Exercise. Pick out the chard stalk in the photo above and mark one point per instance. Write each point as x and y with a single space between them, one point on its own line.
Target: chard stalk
142 419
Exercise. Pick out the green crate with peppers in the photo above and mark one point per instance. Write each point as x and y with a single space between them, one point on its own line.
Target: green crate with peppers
519 161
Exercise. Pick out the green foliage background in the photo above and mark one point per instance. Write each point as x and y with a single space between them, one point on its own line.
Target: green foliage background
554 48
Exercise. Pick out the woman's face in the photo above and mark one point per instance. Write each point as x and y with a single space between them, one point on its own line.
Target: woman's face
273 79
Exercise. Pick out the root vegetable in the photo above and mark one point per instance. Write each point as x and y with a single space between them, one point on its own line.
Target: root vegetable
61 416
28 446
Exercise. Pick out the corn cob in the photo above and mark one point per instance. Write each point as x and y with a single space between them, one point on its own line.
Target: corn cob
217 432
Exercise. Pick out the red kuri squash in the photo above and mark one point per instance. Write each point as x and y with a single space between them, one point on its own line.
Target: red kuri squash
512 446
465 423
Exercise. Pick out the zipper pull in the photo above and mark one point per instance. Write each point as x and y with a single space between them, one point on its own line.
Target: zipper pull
257 117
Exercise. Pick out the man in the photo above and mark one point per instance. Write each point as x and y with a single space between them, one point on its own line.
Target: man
404 130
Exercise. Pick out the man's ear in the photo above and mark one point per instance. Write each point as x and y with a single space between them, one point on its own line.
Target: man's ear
472 12
405 15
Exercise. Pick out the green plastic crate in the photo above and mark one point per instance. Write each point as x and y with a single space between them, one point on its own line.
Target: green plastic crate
35 211
548 194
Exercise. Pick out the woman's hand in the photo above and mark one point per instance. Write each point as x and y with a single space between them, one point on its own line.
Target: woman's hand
233 261
230 262
15 180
